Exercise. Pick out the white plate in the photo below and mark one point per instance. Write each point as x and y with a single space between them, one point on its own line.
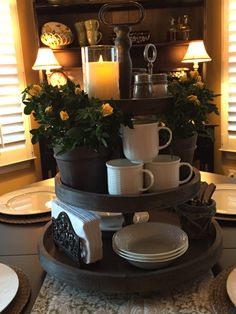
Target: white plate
157 257
225 197
231 286
9 284
148 259
150 238
27 201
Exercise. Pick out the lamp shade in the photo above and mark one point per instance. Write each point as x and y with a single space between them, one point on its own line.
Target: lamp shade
45 60
196 52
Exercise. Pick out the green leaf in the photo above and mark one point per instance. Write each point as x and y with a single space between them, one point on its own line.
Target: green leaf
28 108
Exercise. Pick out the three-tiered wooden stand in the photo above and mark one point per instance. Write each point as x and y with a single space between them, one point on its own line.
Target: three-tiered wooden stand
113 274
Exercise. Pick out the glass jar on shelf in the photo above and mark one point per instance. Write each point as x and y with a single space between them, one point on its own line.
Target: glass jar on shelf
142 86
171 33
185 28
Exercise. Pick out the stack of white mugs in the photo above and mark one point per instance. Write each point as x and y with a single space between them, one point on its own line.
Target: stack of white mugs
144 169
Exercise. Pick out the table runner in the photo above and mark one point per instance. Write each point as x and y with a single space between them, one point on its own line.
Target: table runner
59 298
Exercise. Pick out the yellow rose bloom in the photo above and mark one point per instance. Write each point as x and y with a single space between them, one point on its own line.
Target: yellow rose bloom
64 115
199 85
192 98
78 90
35 90
48 109
194 74
183 78
199 78
107 110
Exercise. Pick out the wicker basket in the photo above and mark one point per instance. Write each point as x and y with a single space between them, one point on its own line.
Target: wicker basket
196 220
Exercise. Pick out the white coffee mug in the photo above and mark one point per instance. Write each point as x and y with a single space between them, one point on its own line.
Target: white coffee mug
166 171
141 144
126 177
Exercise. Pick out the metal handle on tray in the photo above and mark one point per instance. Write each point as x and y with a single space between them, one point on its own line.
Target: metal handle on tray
123 42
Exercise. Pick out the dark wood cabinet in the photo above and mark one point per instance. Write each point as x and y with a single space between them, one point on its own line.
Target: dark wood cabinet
156 21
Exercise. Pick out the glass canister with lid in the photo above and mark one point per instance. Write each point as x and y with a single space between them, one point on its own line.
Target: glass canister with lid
143 86
159 85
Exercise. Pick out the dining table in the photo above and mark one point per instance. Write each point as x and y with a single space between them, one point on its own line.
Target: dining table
19 249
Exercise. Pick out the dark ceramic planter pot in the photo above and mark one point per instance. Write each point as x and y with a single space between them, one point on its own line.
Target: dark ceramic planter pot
183 147
84 169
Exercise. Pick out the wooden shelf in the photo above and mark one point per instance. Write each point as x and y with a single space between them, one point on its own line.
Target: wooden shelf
156 20
45 5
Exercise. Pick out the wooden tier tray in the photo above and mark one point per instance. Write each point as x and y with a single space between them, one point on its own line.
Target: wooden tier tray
144 106
115 275
129 203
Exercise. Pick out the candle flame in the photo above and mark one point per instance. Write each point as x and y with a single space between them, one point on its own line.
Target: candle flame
100 59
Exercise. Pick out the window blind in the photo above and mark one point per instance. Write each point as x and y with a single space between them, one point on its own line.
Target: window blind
15 143
232 69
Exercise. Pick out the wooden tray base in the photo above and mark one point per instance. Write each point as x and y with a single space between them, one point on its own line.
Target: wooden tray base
114 274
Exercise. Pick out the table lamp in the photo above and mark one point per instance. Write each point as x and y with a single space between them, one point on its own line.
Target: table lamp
196 53
45 61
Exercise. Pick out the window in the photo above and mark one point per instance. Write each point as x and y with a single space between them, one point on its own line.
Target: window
15 144
229 77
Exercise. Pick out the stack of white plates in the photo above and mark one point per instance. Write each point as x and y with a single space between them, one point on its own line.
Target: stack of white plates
150 245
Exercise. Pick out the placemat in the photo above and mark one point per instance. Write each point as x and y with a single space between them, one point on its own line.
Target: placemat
26 219
59 298
218 296
225 217
22 296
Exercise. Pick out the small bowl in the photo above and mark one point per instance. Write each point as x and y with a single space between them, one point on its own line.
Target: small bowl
110 221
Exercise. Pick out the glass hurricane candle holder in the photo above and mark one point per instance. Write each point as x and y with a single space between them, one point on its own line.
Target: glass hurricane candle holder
101 71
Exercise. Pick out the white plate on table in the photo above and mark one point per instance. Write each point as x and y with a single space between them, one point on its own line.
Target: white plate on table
9 284
225 197
231 286
27 201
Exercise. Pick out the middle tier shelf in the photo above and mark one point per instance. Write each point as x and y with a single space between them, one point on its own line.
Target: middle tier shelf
128 203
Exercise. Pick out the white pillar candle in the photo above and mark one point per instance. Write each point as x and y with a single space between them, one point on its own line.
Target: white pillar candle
101 72
102 79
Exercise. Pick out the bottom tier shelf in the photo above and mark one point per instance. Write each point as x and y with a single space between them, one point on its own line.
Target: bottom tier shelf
114 274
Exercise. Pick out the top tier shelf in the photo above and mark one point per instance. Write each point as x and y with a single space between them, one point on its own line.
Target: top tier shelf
128 203
145 105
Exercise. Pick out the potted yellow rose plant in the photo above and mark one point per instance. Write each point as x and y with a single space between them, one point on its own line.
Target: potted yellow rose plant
193 102
84 132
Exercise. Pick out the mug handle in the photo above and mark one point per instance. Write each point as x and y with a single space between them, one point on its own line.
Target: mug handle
170 134
190 174
151 179
99 37
96 24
